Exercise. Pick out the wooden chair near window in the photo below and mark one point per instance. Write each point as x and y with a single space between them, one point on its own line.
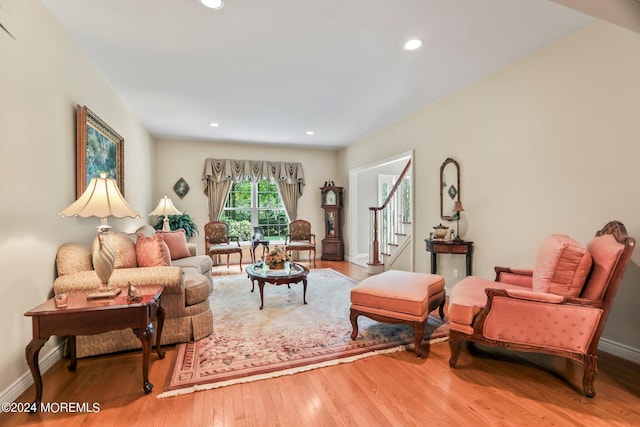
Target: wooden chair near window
218 242
300 238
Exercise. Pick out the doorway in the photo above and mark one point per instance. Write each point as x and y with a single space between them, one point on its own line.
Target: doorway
364 185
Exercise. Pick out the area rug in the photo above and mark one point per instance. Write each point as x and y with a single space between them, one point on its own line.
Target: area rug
285 337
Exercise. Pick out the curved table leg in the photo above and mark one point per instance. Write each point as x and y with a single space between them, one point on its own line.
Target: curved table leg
160 318
261 286
304 290
31 352
145 337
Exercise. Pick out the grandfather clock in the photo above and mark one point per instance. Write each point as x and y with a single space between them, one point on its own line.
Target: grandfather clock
332 244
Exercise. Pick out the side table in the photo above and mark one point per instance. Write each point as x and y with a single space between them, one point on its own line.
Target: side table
449 247
254 245
87 317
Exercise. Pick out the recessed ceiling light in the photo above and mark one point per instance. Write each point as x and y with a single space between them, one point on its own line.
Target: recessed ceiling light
310 132
412 44
214 125
212 4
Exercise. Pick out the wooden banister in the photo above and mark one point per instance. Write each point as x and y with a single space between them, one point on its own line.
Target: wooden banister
387 214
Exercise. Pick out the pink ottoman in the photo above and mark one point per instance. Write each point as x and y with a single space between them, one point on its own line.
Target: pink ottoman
398 297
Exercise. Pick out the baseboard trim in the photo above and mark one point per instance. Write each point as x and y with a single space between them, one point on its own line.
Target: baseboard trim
25 380
621 350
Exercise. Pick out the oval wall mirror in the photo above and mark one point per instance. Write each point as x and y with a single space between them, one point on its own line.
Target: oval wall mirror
449 189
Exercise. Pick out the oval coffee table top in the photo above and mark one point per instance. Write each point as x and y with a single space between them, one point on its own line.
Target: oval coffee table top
292 270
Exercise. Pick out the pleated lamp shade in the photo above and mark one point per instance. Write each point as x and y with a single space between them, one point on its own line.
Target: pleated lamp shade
102 199
165 207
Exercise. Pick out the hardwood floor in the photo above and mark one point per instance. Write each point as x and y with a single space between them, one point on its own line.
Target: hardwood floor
490 388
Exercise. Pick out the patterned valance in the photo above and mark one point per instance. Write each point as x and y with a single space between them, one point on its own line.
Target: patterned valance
220 173
218 170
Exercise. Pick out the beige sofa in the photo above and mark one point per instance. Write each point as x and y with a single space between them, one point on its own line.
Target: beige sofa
187 285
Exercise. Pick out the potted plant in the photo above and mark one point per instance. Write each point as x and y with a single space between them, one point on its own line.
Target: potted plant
183 221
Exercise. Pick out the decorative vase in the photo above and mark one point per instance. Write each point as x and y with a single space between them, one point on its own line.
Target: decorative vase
440 231
278 266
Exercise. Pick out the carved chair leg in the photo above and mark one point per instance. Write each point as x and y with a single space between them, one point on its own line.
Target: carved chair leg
354 324
241 262
454 346
590 373
418 327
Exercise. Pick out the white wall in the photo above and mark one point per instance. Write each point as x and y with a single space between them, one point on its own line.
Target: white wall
549 144
176 159
43 76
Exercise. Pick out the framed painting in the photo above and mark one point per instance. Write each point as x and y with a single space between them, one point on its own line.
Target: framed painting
181 188
99 149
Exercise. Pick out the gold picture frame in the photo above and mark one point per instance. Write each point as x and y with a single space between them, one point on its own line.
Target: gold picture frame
99 149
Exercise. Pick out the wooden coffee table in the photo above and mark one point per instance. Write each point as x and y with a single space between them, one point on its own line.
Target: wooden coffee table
260 273
87 317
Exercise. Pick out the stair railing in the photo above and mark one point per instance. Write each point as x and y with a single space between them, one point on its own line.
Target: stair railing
387 221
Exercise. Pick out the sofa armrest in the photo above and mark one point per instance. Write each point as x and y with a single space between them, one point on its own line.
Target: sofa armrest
192 248
168 277
514 276
542 297
535 296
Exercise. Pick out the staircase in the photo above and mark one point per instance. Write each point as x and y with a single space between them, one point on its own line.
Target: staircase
390 225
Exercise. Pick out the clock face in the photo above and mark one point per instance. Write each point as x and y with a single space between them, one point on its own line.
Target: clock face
330 198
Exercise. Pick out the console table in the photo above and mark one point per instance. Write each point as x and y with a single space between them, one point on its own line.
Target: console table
449 247
82 316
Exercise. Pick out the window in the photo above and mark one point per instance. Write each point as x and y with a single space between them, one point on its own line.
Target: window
252 205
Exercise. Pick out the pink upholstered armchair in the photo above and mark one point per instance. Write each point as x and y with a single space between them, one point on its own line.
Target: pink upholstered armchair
560 307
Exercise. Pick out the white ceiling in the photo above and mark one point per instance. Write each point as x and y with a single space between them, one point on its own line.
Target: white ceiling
268 71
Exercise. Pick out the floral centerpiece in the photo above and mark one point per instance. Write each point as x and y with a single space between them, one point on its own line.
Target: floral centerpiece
276 257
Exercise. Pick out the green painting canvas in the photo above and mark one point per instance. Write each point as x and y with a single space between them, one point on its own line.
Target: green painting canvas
101 155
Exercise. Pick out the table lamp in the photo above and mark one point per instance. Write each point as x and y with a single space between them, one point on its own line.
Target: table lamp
165 208
457 207
102 199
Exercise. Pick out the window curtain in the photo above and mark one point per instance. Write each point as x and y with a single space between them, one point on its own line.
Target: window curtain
219 174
